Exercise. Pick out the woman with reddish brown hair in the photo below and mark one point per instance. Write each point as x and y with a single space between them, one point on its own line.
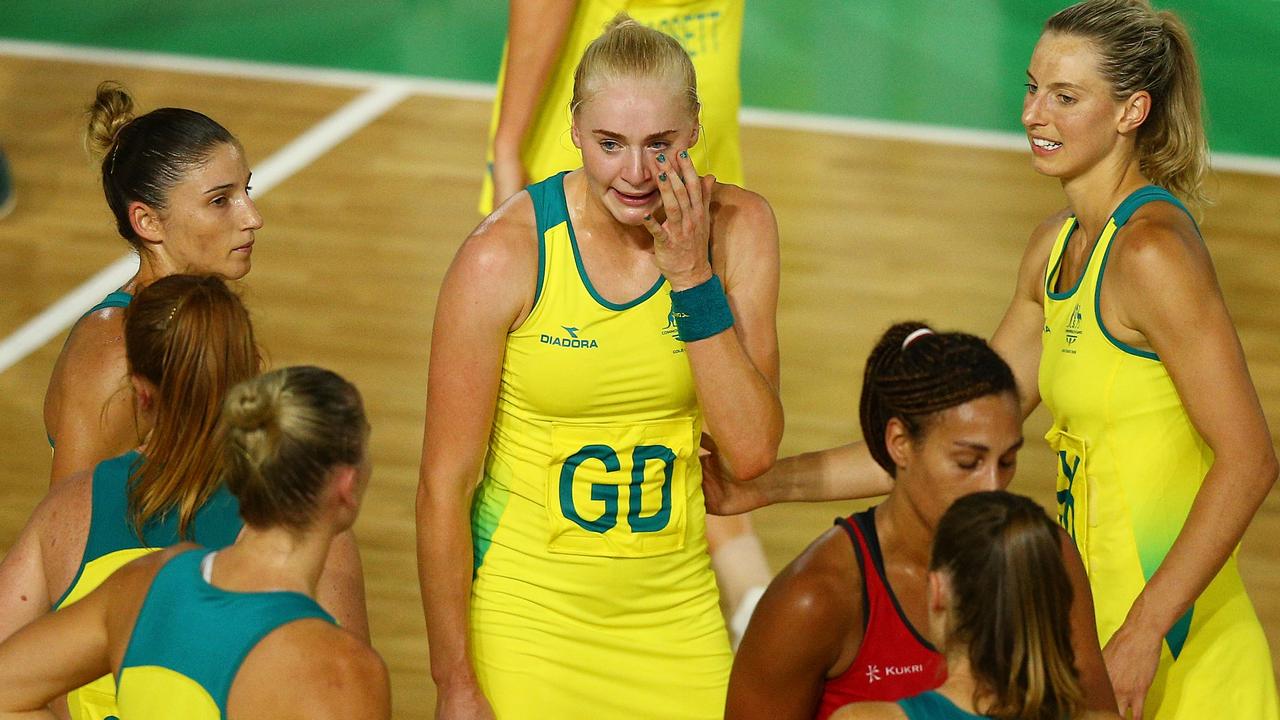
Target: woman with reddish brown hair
188 341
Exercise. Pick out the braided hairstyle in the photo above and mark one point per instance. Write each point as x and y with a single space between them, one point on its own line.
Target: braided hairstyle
914 372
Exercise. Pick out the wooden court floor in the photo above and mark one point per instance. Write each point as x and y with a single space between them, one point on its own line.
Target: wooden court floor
347 268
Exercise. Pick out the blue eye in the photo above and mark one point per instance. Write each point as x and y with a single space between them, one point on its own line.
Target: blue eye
1031 87
610 145
1066 99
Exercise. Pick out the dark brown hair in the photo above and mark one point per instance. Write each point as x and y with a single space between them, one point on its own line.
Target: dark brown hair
934 372
1011 605
144 157
190 337
1141 48
285 430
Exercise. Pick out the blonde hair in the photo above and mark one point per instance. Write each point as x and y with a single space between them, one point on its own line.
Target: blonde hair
284 431
628 49
1141 48
191 338
1011 605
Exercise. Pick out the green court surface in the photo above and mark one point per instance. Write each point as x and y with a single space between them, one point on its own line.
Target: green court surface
943 62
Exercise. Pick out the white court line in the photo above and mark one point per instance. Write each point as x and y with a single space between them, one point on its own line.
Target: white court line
751 117
303 150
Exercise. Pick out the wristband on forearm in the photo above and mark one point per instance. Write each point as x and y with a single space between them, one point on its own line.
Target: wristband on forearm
701 311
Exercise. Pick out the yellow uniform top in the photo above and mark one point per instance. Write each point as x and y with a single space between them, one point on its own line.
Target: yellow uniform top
112 542
709 30
1130 463
593 587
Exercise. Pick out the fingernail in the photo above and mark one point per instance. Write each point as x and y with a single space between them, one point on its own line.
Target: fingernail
662 158
662 177
684 154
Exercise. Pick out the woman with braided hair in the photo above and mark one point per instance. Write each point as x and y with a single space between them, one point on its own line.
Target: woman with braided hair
940 414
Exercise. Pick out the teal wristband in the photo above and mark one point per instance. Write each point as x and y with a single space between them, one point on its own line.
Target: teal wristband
701 311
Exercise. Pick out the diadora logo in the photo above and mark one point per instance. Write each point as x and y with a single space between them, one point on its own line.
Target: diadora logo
875 673
573 341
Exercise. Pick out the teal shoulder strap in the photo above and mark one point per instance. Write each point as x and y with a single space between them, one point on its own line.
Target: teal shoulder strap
933 706
549 210
116 299
203 632
1142 196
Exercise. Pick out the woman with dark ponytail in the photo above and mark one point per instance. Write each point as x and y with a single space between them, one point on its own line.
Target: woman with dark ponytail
188 341
939 412
999 600
177 184
203 634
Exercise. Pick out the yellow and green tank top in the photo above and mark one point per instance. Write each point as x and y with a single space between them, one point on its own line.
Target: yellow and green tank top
112 542
593 592
709 30
1130 463
190 639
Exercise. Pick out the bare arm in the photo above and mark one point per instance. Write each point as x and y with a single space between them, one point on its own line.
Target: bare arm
839 473
736 373
93 418
341 588
1018 337
483 294
1161 270
76 645
24 594
796 636
536 30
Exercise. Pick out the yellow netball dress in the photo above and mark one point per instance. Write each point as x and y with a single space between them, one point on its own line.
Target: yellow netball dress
190 639
709 30
112 542
1129 465
593 594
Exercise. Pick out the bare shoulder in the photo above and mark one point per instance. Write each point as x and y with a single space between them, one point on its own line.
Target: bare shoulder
62 521
1035 260
869 711
816 590
335 675
1160 238
93 359
737 212
744 232
506 238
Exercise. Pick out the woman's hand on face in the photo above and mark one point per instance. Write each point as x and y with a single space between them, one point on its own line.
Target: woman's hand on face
680 243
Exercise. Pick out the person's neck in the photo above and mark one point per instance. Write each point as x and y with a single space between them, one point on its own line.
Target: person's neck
1094 196
151 267
961 687
275 558
900 526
